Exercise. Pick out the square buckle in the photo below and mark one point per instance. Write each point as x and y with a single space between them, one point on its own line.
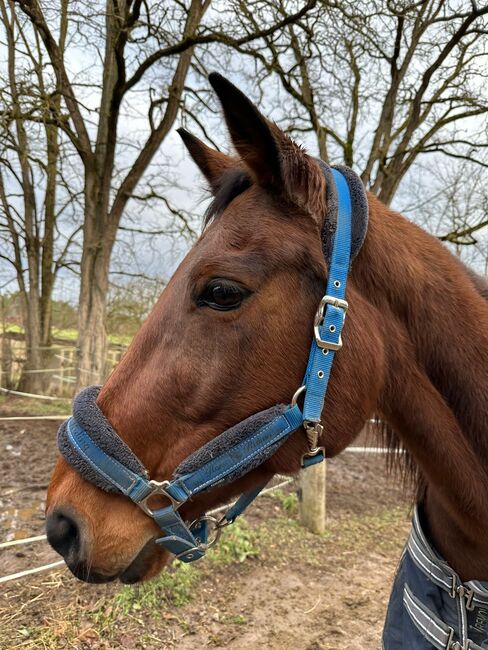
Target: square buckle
319 319
158 487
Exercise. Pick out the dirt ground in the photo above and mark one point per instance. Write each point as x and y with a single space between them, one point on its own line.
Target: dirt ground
269 584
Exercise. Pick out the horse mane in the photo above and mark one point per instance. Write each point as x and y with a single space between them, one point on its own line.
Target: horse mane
399 462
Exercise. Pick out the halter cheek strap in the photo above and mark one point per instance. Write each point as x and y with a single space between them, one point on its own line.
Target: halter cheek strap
95 450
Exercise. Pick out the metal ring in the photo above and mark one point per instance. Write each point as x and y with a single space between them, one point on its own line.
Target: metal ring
217 531
297 394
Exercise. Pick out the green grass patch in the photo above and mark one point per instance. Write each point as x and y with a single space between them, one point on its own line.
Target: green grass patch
171 588
13 328
12 405
135 611
237 543
237 619
70 334
289 502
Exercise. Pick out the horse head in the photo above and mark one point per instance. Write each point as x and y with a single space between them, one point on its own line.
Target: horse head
229 336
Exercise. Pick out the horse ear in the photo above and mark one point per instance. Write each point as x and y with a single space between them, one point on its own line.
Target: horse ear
212 163
251 133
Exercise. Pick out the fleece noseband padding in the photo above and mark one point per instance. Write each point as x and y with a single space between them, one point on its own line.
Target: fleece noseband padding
91 419
226 441
89 416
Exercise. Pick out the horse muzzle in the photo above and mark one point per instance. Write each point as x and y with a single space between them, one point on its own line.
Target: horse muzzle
68 536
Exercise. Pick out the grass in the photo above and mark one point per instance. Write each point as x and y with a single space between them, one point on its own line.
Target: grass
288 501
13 405
171 589
237 543
70 334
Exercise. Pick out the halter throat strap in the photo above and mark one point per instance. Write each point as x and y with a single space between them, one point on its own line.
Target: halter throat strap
235 452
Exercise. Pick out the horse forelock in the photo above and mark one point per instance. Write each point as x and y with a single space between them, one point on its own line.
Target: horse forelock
233 183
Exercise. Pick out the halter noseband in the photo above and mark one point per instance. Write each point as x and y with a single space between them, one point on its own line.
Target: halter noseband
105 460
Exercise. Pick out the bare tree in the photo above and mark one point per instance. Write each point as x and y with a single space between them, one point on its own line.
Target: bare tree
129 302
142 48
379 83
33 190
455 209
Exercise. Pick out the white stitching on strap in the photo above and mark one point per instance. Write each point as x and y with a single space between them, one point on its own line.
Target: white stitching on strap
228 470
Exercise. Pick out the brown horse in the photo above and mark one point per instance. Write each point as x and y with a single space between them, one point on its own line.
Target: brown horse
230 335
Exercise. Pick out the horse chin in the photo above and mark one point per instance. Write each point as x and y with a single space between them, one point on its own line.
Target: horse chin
86 574
148 563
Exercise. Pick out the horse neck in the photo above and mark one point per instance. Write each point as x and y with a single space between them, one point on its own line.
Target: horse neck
436 343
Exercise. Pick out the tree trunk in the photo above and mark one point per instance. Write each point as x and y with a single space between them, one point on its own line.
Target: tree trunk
92 337
29 378
95 264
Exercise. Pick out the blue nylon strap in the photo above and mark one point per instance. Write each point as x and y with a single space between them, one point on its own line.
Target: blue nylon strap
128 482
319 457
179 539
212 473
320 361
180 544
243 502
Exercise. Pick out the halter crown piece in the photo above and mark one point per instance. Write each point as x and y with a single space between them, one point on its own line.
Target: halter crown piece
93 448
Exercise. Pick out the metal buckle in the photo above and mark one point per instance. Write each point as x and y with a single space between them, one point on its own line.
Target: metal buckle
189 554
469 599
313 431
223 522
453 592
319 319
159 487
450 644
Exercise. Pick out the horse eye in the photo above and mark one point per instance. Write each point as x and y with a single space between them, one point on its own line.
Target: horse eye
222 295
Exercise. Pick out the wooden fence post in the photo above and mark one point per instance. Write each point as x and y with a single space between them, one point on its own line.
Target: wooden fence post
312 497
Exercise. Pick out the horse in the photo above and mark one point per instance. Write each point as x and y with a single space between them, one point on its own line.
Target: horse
229 336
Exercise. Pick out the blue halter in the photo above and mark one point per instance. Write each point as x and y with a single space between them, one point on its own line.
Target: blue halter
188 542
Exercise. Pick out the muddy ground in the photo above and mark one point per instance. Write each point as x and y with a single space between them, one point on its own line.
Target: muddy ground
269 584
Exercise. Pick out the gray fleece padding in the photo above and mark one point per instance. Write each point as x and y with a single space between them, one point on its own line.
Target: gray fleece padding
231 437
359 204
92 420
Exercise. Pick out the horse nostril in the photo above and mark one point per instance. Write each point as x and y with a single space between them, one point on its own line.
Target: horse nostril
63 533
